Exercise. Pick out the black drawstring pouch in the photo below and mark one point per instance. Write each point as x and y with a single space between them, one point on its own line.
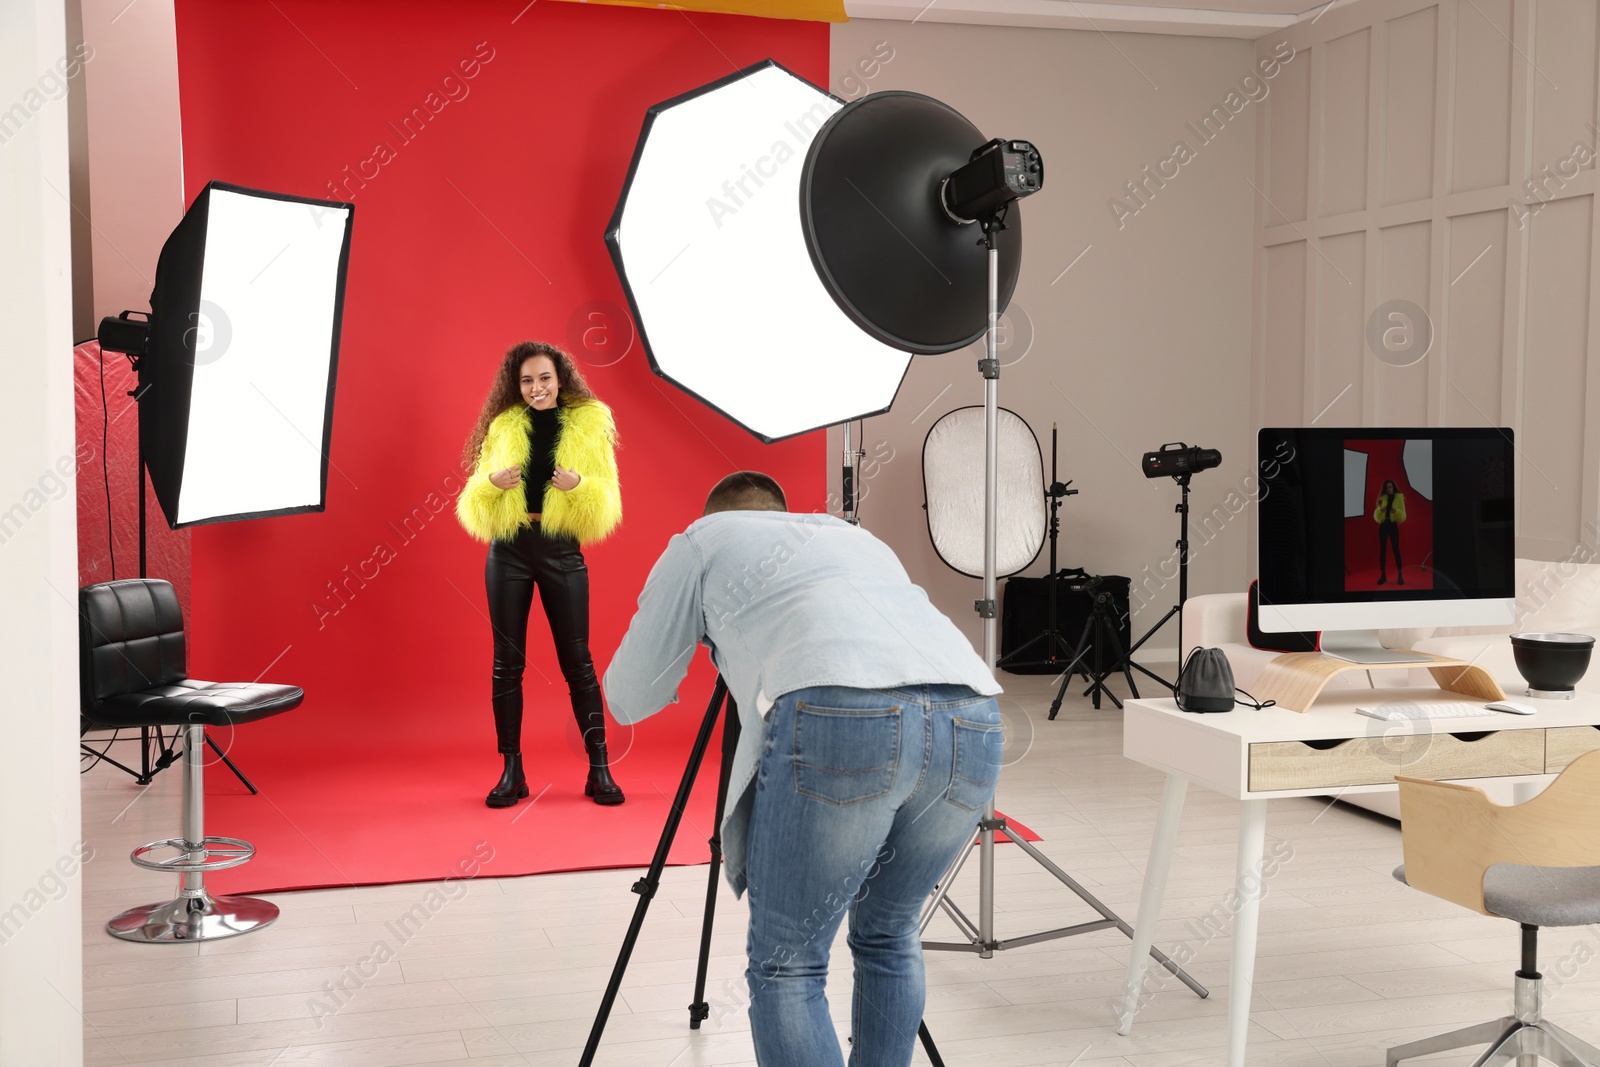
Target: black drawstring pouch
1205 683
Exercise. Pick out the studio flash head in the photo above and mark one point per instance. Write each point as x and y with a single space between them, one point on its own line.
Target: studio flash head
999 172
1178 459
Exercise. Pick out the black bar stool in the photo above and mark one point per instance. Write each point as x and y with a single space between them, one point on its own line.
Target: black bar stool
133 660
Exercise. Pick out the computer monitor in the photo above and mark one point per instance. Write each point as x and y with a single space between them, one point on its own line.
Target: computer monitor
1363 529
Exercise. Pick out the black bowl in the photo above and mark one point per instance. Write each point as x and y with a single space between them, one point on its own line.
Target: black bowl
1552 663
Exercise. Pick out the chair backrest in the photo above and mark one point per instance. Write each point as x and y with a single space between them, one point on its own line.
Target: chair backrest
1452 834
130 638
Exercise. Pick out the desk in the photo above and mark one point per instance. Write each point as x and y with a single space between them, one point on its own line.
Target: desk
1258 755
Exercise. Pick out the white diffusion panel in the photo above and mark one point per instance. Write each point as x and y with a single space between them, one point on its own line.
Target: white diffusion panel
263 352
712 248
1417 456
953 476
1355 484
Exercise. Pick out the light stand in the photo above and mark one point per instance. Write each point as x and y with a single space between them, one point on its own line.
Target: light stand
721 704
1182 508
980 937
1052 637
156 754
847 479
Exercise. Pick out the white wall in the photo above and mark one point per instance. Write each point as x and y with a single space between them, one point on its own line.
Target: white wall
1442 154
1144 340
41 971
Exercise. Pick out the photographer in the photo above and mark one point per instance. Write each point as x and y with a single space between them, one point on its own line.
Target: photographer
870 745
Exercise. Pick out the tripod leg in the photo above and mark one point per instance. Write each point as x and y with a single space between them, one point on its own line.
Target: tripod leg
1061 692
646 887
700 1010
1084 645
237 773
928 1046
1103 630
1120 658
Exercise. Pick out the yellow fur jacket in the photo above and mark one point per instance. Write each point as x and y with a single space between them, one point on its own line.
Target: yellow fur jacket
586 444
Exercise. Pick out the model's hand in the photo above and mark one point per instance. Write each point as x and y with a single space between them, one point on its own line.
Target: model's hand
506 477
565 480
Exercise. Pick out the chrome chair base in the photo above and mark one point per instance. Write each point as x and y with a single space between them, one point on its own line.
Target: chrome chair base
193 918
1509 1039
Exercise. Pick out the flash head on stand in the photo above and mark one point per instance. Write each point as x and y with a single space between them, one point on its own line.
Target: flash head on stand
999 172
1177 459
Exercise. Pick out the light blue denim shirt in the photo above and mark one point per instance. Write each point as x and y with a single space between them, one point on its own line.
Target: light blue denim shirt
785 601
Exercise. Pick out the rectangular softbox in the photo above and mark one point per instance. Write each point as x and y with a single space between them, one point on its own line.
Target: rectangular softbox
236 401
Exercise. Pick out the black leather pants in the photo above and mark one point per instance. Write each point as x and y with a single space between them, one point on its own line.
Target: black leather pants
556 566
1389 534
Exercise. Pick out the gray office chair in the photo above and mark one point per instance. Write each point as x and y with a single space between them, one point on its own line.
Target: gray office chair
1532 863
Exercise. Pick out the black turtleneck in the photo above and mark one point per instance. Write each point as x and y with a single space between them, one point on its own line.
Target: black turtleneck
542 436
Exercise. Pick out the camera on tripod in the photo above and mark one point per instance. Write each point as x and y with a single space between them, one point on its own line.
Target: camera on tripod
1089 586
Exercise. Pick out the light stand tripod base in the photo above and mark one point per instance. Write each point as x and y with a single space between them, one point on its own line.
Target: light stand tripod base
982 942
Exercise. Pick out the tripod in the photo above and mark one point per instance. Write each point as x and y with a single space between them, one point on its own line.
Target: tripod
1182 508
700 1010
157 753
1052 638
1100 631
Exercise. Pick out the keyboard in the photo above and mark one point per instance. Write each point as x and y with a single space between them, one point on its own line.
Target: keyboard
1399 711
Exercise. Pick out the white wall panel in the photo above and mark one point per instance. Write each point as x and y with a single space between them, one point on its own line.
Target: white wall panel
1285 334
1409 134
1554 369
1344 129
1453 142
1481 131
1474 319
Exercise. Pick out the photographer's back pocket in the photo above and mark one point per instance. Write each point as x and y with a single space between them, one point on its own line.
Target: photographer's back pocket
976 767
845 755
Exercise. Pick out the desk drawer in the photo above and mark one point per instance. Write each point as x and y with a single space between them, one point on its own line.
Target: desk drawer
1376 760
1563 744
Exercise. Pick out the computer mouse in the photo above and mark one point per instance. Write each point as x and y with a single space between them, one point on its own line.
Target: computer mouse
1511 707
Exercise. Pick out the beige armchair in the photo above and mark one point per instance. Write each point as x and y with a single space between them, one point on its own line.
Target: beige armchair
1536 863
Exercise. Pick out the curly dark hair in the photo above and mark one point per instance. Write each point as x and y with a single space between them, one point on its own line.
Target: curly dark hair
505 392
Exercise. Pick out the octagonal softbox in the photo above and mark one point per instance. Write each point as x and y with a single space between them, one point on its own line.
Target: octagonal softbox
708 243
953 485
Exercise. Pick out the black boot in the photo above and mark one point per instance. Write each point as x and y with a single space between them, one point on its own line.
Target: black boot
591 718
512 787
1382 579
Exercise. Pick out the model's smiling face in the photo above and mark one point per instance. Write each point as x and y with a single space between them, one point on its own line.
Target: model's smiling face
539 384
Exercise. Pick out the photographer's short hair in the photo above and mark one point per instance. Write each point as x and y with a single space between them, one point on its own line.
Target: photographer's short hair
746 491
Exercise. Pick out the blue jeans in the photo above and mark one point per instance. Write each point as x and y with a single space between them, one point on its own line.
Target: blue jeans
863 800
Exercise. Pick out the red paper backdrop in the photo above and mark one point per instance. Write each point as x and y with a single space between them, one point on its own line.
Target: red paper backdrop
476 228
1385 462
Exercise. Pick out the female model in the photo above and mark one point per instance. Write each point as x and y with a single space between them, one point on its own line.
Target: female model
1390 513
544 482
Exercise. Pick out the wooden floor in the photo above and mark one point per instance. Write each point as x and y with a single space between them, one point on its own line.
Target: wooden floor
510 971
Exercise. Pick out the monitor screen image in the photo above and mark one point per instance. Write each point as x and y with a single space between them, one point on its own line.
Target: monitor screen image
1388 513
1371 528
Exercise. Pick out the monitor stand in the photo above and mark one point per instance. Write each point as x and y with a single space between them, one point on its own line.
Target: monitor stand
1363 646
1295 679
